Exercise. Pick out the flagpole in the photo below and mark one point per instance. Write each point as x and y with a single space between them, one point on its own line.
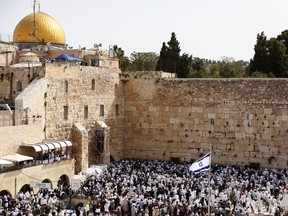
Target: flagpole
209 186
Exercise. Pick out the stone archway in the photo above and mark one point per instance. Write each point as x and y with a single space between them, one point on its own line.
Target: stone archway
63 180
26 188
5 192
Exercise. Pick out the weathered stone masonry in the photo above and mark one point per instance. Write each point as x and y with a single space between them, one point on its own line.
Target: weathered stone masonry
243 121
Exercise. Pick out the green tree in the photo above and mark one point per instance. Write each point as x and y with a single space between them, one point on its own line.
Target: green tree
123 60
170 59
169 55
261 56
258 74
198 69
284 38
184 65
163 57
173 48
278 59
197 64
227 68
143 61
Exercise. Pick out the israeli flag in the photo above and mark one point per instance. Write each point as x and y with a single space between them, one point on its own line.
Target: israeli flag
202 164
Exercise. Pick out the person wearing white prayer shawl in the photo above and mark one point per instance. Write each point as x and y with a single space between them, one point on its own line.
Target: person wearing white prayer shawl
43 201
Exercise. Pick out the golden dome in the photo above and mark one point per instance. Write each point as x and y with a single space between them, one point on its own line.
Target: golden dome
47 29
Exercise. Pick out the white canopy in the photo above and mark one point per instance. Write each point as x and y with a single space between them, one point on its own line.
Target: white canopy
38 147
27 64
16 157
45 146
50 146
5 162
103 124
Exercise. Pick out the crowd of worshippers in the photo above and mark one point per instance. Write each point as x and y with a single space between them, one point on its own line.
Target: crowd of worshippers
44 202
137 187
53 155
152 187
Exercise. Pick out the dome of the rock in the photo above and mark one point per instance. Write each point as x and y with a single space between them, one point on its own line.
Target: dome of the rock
39 28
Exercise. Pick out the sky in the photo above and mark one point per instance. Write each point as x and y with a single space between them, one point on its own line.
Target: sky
209 29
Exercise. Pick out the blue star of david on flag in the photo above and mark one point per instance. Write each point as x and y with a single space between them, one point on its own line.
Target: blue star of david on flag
202 164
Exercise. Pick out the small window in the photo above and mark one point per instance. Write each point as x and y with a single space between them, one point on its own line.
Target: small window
19 86
93 84
117 109
85 112
66 86
65 110
212 121
101 110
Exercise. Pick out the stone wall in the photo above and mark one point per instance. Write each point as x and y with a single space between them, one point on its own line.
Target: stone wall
12 137
243 121
13 181
11 78
82 91
153 116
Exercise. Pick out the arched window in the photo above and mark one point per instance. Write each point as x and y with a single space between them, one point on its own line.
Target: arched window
93 84
19 86
66 86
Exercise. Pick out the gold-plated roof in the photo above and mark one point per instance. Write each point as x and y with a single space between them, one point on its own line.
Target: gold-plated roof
47 29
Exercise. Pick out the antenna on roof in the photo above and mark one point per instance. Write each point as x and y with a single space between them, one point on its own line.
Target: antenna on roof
38 5
34 21
97 45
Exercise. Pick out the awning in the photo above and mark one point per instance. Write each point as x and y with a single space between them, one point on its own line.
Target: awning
38 147
16 157
5 162
63 144
102 124
57 145
43 147
68 143
50 146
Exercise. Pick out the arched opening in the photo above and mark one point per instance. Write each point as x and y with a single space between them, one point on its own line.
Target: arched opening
19 86
26 188
63 181
5 192
93 84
